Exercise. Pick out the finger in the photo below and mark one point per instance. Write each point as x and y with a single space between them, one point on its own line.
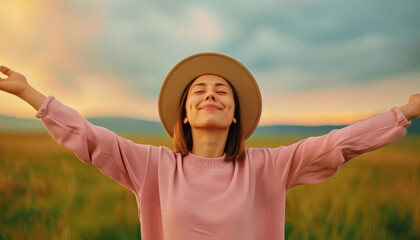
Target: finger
6 70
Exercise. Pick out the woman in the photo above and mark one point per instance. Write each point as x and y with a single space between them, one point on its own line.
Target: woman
211 187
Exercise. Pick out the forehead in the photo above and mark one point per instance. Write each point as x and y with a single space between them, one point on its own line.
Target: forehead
210 80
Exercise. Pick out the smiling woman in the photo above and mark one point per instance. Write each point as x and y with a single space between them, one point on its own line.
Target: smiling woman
212 110
211 187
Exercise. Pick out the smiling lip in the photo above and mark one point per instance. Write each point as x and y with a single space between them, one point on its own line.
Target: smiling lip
210 107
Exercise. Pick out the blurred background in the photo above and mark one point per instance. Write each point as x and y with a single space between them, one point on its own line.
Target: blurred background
320 65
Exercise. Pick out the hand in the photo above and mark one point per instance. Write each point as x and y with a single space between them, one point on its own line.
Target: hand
15 84
412 108
415 99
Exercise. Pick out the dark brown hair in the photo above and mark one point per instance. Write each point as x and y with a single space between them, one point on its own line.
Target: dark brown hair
182 139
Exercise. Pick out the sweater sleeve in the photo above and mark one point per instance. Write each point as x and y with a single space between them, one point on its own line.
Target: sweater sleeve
314 159
120 159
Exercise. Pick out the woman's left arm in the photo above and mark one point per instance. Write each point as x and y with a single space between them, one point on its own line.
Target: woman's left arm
412 108
314 159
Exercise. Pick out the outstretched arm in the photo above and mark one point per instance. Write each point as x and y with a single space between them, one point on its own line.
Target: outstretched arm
16 84
412 108
314 159
120 159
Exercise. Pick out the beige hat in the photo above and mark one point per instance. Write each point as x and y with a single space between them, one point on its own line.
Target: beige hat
210 63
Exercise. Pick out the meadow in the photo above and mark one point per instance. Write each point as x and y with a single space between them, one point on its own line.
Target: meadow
47 193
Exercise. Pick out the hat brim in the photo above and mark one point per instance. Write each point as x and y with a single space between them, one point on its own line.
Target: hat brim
210 63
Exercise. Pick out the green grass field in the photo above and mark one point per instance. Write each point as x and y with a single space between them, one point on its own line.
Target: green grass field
47 193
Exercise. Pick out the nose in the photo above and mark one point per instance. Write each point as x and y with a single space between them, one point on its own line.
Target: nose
210 95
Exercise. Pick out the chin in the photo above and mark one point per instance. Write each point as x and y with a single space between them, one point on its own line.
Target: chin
213 124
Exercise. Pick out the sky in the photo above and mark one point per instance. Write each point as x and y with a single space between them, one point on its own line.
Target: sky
316 62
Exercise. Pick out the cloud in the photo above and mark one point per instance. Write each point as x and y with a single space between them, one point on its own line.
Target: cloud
292 47
339 105
269 42
92 96
291 80
146 39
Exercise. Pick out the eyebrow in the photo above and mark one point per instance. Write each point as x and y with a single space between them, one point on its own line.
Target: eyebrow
205 84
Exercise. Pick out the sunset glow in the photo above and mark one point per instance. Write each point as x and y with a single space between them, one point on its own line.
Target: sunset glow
109 59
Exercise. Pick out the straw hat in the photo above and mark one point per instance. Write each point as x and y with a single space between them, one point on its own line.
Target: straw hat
210 63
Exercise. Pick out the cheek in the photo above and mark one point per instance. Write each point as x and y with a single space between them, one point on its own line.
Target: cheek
233 111
231 105
188 106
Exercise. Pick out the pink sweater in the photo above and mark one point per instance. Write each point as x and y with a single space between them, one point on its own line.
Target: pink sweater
206 198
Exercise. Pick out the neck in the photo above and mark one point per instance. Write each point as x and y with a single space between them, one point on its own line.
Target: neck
209 142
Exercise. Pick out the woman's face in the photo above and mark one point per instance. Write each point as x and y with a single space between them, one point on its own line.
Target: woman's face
210 103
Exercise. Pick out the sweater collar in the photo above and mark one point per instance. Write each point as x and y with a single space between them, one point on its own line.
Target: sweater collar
205 162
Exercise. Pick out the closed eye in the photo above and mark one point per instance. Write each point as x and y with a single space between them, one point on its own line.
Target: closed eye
219 92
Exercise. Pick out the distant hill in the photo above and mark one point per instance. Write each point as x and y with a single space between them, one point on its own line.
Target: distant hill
296 130
13 124
136 126
116 124
128 125
412 130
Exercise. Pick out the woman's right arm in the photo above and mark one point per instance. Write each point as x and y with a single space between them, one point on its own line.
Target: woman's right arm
120 159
